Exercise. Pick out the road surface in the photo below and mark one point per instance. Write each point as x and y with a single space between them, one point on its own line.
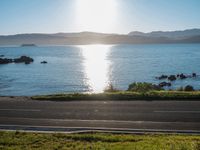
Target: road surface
168 116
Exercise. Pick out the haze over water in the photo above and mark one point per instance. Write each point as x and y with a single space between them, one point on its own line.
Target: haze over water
91 68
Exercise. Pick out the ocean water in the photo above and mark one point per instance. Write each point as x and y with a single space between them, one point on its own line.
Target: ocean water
90 68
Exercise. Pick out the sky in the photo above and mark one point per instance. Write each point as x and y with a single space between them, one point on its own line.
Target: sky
107 16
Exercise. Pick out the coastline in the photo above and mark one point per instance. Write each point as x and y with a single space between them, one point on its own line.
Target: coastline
115 96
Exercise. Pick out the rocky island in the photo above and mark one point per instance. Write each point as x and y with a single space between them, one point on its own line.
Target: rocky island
22 59
28 45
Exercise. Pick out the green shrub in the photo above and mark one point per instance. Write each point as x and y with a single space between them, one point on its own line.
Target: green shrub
189 88
143 87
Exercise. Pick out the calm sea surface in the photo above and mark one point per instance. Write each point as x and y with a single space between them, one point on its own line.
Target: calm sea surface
91 68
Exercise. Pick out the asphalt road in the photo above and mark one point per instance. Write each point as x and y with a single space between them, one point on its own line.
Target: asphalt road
26 114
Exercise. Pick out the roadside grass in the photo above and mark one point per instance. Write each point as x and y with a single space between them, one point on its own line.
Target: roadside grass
49 141
124 95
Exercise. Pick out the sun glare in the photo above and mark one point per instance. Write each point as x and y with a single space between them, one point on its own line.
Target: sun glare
96 66
96 15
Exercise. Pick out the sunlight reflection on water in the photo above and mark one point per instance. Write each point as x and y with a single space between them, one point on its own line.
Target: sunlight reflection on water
96 66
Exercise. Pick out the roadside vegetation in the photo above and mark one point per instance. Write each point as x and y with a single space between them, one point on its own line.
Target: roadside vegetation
143 87
21 140
135 91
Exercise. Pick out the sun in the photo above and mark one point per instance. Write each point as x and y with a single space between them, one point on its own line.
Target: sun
96 15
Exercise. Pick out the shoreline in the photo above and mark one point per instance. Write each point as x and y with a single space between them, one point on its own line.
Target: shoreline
60 45
115 96
125 95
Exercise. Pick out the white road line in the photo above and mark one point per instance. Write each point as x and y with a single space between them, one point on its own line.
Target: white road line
169 111
60 129
72 120
28 110
92 121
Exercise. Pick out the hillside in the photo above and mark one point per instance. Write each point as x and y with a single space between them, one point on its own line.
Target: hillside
186 36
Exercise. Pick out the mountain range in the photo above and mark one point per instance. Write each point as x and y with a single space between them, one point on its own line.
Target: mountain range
135 37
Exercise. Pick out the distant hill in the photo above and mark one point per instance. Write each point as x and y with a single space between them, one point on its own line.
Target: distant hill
169 34
186 36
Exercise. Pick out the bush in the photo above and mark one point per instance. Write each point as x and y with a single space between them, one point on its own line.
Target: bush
143 87
110 88
189 88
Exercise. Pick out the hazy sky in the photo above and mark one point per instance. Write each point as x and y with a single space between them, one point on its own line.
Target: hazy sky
118 16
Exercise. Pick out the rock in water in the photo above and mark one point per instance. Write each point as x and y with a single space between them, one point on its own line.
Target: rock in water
194 75
172 78
5 61
163 84
182 76
162 77
24 59
44 62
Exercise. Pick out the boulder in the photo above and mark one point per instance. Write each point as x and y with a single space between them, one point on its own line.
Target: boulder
5 61
172 78
27 62
23 59
182 76
194 75
43 62
163 84
162 77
